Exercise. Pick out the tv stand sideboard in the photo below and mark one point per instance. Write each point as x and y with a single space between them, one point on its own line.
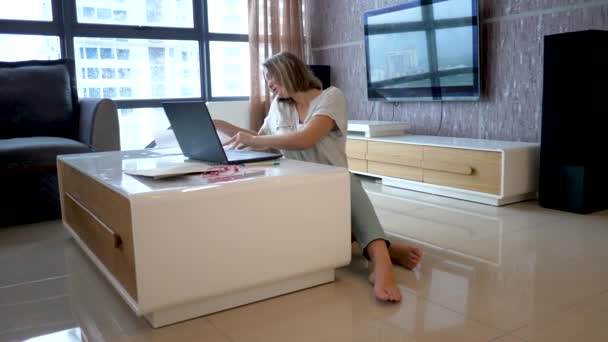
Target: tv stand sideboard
486 171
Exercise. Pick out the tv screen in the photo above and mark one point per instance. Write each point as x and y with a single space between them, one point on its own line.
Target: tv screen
423 50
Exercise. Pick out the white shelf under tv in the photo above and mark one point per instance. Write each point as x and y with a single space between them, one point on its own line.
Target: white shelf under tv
374 129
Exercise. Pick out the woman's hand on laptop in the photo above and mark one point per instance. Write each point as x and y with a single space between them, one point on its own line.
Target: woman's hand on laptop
240 141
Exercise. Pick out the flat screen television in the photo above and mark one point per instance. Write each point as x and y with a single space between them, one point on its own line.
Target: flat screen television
423 50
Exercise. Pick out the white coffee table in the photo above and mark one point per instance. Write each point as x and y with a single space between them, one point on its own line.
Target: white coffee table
184 247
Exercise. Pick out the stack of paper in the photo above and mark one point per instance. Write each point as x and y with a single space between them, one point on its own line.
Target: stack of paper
171 170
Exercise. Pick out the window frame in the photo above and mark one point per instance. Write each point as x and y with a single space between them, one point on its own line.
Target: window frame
65 25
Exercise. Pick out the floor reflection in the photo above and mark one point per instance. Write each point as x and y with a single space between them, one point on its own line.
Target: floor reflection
440 227
68 335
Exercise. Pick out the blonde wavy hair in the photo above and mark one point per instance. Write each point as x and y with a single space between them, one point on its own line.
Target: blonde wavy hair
290 72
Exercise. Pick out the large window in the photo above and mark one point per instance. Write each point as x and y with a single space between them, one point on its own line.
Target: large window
139 53
150 68
38 10
25 46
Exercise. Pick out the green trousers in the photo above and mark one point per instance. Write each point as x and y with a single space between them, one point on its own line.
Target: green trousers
364 221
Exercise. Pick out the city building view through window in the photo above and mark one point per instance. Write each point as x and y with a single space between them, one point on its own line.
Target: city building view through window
113 60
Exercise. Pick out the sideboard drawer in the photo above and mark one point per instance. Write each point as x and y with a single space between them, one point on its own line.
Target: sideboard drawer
109 206
461 168
394 153
394 170
358 165
356 149
111 209
105 243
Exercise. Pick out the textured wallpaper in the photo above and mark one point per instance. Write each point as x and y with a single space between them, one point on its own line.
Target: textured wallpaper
511 46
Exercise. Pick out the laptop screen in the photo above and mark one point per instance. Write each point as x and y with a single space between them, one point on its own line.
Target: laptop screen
195 131
197 136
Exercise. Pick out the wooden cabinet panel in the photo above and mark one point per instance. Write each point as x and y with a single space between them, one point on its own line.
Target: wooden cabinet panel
110 207
106 244
463 169
394 153
107 219
356 149
359 165
394 170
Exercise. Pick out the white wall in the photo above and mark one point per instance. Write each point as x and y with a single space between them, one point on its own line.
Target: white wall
235 112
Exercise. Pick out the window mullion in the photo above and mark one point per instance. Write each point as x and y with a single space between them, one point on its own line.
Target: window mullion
147 103
66 14
228 37
137 32
44 28
200 15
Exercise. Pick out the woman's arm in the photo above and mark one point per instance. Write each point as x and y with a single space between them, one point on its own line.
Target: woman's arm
316 129
230 129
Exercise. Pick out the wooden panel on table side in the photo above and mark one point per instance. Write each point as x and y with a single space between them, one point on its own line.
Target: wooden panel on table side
356 149
101 242
394 153
461 168
359 165
109 207
394 170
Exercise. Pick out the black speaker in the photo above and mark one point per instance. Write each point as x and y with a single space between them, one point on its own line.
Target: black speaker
323 74
574 133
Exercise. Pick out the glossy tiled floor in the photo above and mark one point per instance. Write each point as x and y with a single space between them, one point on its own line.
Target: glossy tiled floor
514 273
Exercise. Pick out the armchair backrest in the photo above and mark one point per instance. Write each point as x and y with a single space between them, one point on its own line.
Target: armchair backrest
38 98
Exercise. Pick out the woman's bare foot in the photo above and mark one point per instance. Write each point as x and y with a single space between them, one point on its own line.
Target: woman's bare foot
382 277
404 255
385 288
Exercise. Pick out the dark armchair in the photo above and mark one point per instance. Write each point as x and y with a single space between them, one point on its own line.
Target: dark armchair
41 117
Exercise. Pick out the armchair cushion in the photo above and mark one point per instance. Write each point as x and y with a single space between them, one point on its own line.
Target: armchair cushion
19 155
38 98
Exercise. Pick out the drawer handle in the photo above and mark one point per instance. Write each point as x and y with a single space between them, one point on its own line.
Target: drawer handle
117 239
448 167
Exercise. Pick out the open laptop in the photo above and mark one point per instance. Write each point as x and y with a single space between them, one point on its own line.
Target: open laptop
198 139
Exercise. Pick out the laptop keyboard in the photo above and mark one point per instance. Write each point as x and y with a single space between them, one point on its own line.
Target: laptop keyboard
238 153
245 154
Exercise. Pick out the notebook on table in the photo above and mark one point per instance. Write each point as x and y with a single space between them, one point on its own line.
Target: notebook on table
197 136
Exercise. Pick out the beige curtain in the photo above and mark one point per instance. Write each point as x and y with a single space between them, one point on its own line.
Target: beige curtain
274 26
